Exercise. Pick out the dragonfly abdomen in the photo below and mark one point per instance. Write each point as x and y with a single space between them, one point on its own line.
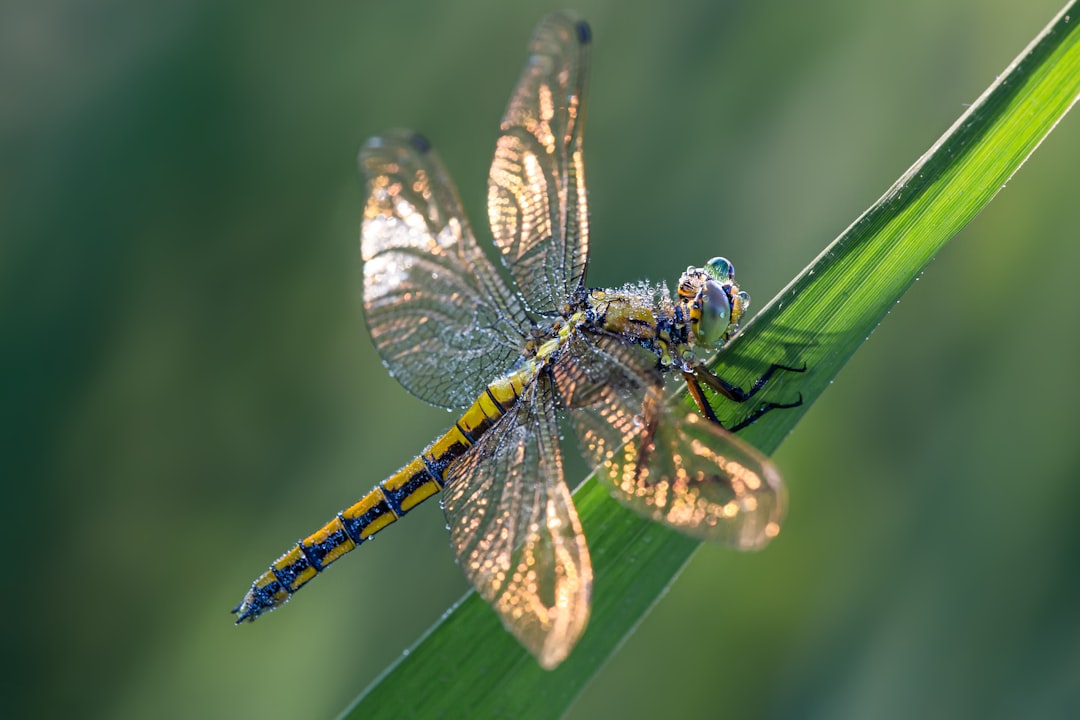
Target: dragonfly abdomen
391 499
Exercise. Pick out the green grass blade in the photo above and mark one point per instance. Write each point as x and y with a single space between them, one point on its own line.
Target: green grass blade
469 666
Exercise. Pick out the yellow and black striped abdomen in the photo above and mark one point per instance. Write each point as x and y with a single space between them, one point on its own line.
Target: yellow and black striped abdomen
387 501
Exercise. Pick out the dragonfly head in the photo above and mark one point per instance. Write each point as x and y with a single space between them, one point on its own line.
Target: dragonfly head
712 301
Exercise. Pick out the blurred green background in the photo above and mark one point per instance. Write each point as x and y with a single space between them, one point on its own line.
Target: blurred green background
187 387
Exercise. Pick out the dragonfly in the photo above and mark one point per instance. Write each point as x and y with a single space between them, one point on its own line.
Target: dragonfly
513 351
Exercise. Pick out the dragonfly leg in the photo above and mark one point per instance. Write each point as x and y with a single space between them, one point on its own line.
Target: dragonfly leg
761 410
735 393
698 394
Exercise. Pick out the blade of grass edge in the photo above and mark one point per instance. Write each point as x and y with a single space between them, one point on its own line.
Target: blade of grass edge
468 664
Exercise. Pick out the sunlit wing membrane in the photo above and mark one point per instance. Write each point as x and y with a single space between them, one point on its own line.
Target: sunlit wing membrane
701 480
666 464
515 532
441 317
536 188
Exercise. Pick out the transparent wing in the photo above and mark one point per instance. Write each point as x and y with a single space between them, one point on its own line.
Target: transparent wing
536 188
666 464
441 317
515 531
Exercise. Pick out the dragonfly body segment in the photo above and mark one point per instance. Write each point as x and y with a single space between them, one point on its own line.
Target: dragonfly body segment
391 499
446 322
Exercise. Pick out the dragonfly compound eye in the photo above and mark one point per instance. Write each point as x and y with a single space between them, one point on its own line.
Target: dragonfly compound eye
715 314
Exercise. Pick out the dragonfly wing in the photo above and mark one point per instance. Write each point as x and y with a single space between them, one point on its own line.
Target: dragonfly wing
440 315
536 187
667 464
515 531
